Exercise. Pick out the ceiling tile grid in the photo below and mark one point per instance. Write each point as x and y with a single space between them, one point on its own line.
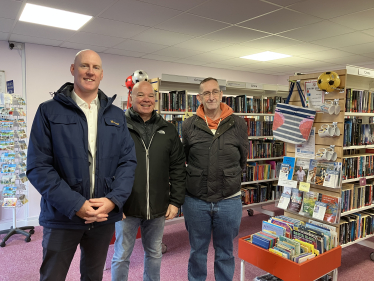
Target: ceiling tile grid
318 34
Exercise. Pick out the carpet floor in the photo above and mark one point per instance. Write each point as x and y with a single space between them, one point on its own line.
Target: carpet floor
21 261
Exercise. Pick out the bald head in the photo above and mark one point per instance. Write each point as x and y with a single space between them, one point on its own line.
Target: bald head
87 72
142 86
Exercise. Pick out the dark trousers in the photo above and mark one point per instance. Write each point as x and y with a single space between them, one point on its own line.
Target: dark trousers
59 246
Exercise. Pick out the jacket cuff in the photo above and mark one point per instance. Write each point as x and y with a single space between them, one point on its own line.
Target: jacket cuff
77 207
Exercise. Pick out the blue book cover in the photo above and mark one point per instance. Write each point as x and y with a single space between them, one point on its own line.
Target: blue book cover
278 230
290 161
261 242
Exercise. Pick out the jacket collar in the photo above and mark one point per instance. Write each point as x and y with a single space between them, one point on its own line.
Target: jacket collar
63 95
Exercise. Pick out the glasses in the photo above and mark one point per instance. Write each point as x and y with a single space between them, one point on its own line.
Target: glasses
215 93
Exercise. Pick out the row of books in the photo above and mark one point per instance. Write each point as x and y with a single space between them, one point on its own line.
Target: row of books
259 128
305 203
255 171
173 101
295 240
356 167
312 171
359 101
250 104
256 193
355 196
356 226
356 133
265 149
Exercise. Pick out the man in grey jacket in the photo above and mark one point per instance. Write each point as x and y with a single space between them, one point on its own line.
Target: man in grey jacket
216 147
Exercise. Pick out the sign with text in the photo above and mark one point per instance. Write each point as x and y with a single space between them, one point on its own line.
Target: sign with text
304 186
10 86
366 72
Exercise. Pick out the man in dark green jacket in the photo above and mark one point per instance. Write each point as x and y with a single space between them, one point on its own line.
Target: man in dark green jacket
159 186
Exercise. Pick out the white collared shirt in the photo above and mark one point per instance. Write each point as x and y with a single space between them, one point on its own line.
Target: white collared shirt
91 116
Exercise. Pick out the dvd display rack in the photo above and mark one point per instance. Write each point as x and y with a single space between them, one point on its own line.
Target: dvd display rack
13 162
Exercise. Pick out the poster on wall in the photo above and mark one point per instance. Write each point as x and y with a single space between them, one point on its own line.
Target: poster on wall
314 96
2 82
307 149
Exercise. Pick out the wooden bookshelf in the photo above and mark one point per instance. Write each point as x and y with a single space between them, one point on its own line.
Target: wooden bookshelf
262 159
358 146
357 241
358 114
357 179
356 210
251 182
357 155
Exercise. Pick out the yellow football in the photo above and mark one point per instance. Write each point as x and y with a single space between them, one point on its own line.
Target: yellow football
328 81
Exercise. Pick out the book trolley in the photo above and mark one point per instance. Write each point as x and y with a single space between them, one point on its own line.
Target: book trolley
351 78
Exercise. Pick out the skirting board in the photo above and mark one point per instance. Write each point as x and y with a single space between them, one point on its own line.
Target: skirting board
32 221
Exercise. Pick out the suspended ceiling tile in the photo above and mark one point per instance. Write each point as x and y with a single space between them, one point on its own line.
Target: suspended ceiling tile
209 58
359 49
113 28
316 31
270 43
292 61
301 49
176 52
354 59
42 31
181 5
139 46
189 61
190 24
157 57
327 54
137 12
95 39
359 21
79 46
331 9
233 11
203 45
6 24
369 31
235 62
284 3
4 36
344 40
235 35
237 51
124 53
370 55
215 65
160 36
34 40
87 7
10 9
280 21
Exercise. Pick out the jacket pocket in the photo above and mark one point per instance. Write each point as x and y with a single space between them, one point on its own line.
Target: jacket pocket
63 119
75 184
231 180
193 180
108 185
113 122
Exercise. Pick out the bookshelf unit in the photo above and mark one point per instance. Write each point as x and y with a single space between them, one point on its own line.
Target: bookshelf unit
350 79
190 85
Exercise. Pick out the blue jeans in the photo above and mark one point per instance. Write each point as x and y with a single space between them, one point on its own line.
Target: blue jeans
204 218
152 232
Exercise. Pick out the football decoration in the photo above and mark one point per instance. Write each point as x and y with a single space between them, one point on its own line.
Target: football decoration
328 81
129 84
138 76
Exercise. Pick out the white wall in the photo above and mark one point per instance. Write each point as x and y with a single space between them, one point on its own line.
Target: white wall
47 69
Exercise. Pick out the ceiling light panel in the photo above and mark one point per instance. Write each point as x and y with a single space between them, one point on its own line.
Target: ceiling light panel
53 17
266 56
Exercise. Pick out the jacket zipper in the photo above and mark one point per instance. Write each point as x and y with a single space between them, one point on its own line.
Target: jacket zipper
147 167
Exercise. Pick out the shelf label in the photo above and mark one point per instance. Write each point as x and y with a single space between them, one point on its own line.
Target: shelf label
304 186
285 182
235 84
362 181
254 86
194 80
366 72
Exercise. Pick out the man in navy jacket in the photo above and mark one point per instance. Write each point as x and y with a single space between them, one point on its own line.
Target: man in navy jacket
82 160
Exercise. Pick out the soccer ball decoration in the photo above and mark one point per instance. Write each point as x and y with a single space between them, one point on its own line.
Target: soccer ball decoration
129 84
328 81
139 75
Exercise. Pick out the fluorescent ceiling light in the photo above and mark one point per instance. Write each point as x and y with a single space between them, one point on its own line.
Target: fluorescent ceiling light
265 56
53 17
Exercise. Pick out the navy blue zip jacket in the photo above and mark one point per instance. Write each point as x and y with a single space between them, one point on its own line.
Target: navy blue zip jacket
58 159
